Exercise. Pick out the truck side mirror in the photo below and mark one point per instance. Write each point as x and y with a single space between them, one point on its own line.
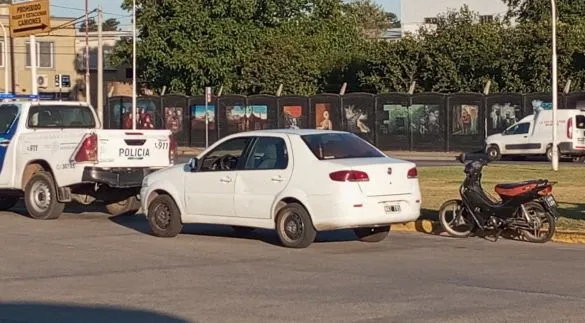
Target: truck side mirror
193 164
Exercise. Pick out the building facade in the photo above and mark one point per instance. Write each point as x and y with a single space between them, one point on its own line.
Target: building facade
418 13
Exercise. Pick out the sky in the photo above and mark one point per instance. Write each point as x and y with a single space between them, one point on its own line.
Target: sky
112 9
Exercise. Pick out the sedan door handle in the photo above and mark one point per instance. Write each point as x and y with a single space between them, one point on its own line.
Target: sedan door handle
225 180
277 178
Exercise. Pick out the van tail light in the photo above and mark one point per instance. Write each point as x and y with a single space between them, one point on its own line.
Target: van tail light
570 128
88 150
412 173
349 176
172 149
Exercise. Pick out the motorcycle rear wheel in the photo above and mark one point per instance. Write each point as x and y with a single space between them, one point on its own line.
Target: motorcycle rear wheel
454 220
540 218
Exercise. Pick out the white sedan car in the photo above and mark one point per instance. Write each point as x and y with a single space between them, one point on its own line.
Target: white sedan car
297 182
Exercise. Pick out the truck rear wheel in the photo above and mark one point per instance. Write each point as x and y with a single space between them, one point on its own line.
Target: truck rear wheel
40 197
128 206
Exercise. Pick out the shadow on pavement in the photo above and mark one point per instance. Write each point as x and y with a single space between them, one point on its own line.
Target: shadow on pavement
61 313
139 223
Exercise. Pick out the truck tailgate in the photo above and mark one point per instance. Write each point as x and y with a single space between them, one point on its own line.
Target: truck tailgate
128 148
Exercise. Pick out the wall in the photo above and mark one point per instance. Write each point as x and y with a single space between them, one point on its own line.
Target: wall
396 121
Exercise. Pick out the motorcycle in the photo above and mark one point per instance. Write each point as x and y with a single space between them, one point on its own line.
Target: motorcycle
524 208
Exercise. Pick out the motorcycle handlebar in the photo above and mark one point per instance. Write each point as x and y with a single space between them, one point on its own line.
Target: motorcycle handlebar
480 157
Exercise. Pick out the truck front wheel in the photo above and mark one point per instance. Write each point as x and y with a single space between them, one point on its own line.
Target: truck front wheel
128 206
40 197
493 153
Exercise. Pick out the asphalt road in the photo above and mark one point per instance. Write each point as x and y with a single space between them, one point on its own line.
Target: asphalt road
90 268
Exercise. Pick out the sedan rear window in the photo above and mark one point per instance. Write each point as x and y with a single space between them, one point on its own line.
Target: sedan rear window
339 146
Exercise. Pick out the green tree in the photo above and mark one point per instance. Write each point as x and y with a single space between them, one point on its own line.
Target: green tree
248 46
534 11
110 24
371 17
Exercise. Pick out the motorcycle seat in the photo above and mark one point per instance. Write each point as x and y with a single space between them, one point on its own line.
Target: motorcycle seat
519 188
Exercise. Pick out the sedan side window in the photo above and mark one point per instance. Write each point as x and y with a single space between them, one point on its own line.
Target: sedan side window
225 156
268 153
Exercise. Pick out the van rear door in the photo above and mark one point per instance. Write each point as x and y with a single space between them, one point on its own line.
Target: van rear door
578 131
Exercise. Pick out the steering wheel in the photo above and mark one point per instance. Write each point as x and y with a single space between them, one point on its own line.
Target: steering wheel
228 161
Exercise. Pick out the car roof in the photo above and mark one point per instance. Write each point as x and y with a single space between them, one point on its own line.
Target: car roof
48 102
297 132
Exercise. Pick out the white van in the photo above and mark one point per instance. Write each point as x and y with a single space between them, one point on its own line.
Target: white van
533 136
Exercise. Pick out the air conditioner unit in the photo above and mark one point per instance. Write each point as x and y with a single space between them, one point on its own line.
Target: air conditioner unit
43 80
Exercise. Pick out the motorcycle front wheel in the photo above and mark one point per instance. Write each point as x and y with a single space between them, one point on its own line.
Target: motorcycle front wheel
543 223
455 220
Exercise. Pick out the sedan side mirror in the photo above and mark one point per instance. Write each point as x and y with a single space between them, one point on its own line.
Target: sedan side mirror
193 164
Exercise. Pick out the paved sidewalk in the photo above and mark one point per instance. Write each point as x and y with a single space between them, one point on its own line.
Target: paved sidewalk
417 155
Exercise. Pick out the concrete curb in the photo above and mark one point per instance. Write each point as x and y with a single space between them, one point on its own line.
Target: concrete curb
434 228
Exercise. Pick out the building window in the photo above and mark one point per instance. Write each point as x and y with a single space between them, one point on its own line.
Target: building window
45 54
486 19
431 21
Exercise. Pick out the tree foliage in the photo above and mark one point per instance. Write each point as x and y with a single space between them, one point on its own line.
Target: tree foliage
110 24
252 46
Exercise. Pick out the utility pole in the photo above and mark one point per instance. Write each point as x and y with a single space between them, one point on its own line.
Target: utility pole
100 68
87 92
134 114
555 89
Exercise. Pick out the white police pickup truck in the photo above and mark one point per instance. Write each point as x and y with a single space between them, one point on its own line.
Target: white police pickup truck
55 152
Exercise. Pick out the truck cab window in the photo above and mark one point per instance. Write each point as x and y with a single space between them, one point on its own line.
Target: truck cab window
55 116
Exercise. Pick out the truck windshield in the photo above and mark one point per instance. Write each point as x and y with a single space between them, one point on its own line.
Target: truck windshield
60 116
339 146
8 113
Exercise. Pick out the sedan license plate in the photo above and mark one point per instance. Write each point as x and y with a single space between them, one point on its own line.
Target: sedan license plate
550 201
392 208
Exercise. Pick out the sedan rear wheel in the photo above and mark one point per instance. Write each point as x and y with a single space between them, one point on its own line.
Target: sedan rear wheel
295 227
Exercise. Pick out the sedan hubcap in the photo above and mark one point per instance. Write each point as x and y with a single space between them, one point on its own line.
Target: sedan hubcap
293 227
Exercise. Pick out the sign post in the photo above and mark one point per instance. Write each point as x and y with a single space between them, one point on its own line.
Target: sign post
207 100
28 19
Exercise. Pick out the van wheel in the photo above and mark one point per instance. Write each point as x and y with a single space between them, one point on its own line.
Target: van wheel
6 203
295 227
164 217
375 234
493 153
40 197
549 153
128 206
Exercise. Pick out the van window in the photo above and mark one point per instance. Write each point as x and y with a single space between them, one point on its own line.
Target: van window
580 121
60 116
518 129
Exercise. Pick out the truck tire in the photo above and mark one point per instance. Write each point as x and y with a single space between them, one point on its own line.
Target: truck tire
164 217
6 203
40 197
493 153
128 206
549 152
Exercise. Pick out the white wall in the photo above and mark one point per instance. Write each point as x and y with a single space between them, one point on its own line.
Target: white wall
413 12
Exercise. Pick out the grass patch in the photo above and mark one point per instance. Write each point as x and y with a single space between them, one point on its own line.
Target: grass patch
439 184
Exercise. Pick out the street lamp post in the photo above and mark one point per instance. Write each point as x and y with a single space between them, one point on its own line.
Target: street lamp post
555 152
5 57
134 121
